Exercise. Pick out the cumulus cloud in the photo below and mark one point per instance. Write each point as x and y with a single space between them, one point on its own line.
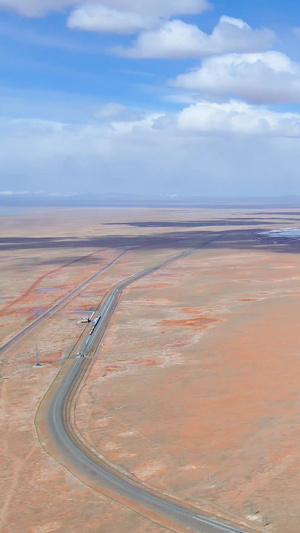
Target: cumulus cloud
207 118
238 117
117 112
147 8
269 77
177 40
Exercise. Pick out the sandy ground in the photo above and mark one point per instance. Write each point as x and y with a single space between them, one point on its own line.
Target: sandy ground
195 390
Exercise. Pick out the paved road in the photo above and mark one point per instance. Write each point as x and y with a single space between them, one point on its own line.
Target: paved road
58 305
68 443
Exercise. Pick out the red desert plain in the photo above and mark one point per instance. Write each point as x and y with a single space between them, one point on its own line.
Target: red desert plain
193 392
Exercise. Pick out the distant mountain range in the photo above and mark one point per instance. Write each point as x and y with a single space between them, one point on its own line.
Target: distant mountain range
28 199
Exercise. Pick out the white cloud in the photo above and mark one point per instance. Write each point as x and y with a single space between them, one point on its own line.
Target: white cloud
147 8
238 117
177 40
34 8
117 112
159 8
269 77
154 8
126 17
102 19
239 23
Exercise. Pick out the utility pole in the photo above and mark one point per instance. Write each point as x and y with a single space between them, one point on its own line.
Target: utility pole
37 357
251 509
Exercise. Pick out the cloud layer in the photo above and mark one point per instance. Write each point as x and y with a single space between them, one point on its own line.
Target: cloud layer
145 161
147 8
233 148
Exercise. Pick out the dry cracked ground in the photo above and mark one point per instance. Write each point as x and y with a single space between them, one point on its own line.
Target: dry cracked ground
195 391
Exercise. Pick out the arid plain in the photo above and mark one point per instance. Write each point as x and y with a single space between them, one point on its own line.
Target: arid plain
194 391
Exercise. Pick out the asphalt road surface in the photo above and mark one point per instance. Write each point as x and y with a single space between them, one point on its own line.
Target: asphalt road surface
85 461
58 305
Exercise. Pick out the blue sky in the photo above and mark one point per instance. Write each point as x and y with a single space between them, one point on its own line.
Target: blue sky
150 96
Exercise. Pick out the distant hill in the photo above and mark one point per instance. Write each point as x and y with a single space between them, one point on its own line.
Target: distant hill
26 199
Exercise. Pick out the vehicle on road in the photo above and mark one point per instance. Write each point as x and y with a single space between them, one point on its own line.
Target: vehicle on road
96 321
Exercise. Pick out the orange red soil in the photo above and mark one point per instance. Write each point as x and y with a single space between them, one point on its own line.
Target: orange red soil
195 390
201 322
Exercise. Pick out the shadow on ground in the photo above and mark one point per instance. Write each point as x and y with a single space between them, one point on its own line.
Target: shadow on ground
180 240
195 223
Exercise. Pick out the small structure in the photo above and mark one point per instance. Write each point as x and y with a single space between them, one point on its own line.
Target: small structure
87 320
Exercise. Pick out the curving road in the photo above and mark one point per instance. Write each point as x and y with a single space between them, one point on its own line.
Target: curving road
85 461
58 305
